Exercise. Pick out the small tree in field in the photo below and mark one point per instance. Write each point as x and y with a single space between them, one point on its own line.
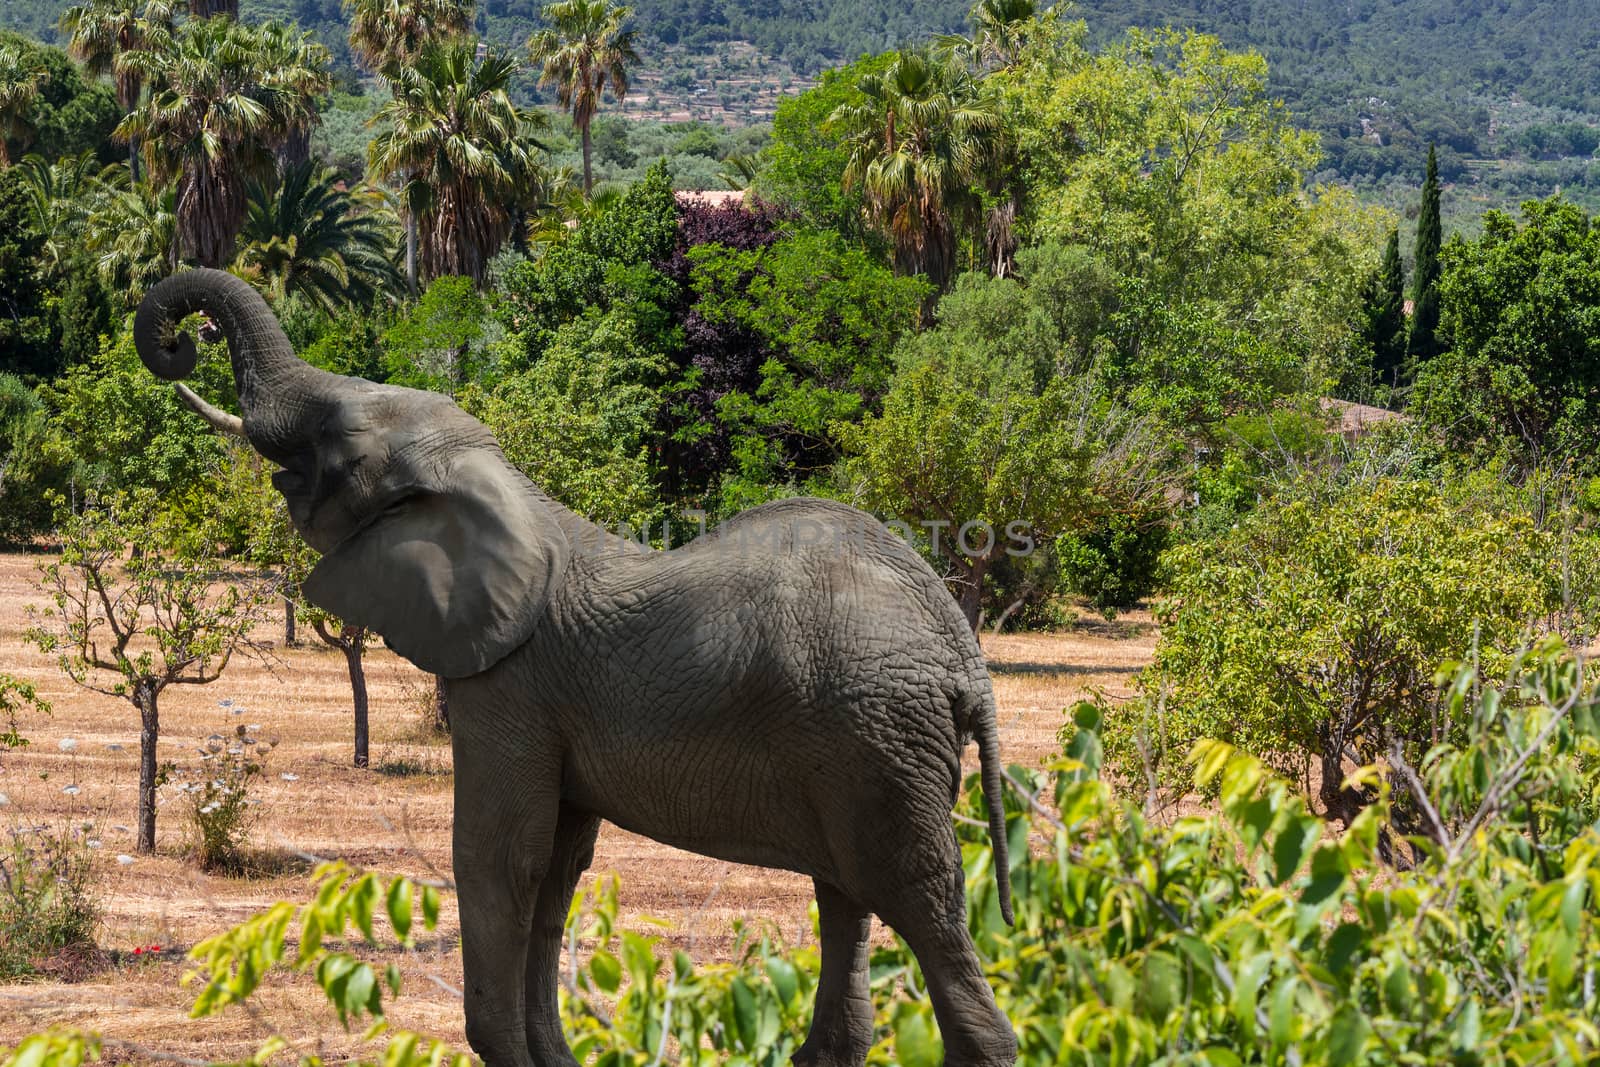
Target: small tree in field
352 641
130 624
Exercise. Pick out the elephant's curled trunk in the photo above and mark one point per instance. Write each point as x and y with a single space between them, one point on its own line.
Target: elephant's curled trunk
273 383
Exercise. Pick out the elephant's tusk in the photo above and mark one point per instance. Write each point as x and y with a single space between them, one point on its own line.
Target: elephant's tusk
219 419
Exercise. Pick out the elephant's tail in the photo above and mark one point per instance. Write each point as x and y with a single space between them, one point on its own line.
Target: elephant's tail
988 736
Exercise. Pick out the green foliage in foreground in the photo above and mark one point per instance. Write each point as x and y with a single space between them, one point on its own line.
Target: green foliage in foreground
1246 936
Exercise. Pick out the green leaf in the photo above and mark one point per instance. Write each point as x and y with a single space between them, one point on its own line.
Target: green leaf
605 970
744 1013
398 903
1347 1037
430 907
1291 846
916 1041
785 979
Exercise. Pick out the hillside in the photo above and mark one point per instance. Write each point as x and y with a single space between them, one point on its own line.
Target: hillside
1507 88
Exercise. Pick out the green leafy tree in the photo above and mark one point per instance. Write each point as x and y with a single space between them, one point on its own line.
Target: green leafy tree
131 626
1424 342
1522 306
803 165
438 343
823 319
21 76
305 236
1386 315
68 115
973 455
100 32
589 266
464 152
921 135
118 428
1166 156
586 50
581 422
1311 631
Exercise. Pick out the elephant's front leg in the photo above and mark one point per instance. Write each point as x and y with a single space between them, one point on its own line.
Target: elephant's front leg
505 823
571 855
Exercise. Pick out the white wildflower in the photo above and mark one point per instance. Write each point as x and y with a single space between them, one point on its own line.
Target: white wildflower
121 829
4 800
93 842
71 790
289 777
125 860
67 744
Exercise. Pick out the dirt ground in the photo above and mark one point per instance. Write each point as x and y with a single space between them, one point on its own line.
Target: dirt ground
394 817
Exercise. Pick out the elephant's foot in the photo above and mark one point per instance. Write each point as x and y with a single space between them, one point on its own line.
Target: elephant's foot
1000 1050
809 1055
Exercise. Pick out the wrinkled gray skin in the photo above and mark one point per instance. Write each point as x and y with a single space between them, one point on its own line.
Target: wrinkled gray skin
793 689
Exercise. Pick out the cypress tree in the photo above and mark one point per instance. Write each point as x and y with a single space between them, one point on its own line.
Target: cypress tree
1424 342
1386 314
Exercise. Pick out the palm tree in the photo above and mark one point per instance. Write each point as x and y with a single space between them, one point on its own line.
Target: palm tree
996 29
133 233
61 196
464 152
585 50
22 72
298 68
100 32
308 237
917 143
213 117
385 34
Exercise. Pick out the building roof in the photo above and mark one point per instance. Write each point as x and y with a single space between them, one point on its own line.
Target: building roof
1356 419
711 197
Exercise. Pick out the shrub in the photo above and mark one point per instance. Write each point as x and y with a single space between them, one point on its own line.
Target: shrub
47 899
220 807
1310 632
1114 561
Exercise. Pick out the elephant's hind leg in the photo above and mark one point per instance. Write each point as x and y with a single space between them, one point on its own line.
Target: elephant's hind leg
930 913
841 1024
571 856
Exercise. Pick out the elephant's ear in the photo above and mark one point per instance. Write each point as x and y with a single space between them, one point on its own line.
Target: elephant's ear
454 581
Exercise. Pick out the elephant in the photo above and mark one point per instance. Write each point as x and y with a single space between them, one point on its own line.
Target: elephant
792 689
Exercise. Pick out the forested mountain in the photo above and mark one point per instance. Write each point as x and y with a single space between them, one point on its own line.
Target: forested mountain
1506 88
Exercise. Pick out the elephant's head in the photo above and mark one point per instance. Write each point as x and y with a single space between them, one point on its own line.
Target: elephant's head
429 536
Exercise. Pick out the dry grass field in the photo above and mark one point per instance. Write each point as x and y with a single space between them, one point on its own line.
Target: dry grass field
394 817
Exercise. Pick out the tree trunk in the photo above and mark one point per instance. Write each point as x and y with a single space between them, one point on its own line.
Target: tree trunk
441 706
355 641
411 252
144 698
133 159
289 637
588 176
